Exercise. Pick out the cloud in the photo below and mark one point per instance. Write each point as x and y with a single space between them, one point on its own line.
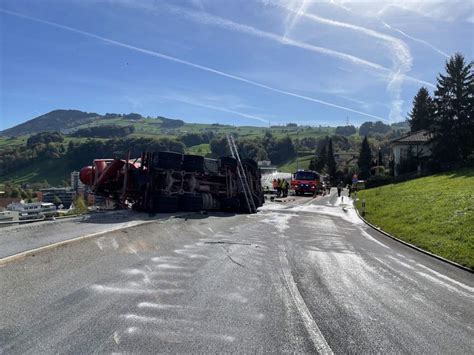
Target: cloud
187 63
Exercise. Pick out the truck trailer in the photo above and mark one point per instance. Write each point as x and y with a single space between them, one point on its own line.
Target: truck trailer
169 182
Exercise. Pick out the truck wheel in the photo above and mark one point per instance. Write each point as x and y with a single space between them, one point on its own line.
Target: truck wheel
190 203
251 165
228 162
168 160
193 163
231 204
165 204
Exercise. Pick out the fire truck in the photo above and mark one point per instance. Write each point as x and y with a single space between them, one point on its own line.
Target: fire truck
305 181
169 182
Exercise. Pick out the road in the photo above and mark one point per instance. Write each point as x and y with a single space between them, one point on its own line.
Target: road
302 276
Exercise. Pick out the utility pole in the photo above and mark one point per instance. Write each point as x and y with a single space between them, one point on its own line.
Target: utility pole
297 148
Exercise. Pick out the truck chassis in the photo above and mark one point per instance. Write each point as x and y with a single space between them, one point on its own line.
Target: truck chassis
169 182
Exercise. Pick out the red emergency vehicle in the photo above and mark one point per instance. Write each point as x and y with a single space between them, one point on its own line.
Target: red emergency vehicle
305 181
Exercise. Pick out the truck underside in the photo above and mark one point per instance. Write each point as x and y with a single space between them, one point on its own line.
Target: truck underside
170 182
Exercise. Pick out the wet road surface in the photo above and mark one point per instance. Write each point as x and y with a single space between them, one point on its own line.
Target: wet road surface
303 276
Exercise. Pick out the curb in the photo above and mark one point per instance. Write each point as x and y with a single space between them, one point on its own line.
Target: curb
465 268
32 252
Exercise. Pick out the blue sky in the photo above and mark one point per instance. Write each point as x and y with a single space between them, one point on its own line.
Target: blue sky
233 62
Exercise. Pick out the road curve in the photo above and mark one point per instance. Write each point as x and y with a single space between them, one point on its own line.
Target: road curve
302 276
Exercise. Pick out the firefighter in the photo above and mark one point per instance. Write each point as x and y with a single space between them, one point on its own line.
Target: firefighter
278 188
285 188
340 186
275 184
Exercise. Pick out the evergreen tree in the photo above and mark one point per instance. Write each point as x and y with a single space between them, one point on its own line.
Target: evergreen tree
422 113
330 161
454 121
380 158
365 160
321 155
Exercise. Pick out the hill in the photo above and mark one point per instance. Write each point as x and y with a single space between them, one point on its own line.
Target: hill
435 213
57 120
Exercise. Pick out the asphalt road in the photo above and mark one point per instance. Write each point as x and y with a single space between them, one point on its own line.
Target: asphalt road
303 276
27 236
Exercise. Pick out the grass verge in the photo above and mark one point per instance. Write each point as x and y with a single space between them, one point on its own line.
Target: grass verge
435 213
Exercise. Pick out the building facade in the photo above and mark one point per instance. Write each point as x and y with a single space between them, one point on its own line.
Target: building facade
415 146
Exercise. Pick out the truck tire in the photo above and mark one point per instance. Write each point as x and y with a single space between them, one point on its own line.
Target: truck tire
193 163
165 204
231 204
228 162
168 160
190 203
251 165
259 200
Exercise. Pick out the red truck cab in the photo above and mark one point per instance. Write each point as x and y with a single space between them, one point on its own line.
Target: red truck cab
305 181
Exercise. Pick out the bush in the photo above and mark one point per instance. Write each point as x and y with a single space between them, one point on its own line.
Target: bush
80 205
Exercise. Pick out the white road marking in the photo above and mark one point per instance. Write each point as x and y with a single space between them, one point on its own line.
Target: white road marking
460 284
369 237
123 290
117 338
444 284
315 334
158 305
401 262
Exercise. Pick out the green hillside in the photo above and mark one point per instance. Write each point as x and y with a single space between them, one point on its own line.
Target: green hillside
291 166
435 213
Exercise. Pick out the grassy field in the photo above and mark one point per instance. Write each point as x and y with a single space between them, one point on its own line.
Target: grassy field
290 166
201 149
54 171
435 213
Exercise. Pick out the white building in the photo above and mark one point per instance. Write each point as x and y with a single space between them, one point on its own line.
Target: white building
419 142
76 183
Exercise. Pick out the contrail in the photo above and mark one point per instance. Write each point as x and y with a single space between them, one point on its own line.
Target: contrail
400 54
400 49
426 43
216 108
187 63
295 18
208 19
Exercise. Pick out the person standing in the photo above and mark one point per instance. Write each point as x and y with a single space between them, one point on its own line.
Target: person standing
285 188
339 189
278 188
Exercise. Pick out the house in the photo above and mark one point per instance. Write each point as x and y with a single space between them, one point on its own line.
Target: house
415 145
346 160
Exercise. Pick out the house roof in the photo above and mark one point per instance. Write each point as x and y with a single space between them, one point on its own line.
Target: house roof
418 137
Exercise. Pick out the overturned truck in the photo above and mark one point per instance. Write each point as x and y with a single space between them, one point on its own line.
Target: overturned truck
169 182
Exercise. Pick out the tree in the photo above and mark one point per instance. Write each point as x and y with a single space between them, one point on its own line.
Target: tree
345 130
219 147
80 205
365 160
365 128
57 201
330 161
453 128
281 150
320 159
421 115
